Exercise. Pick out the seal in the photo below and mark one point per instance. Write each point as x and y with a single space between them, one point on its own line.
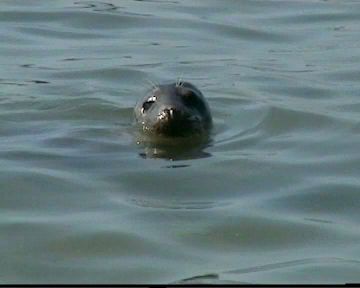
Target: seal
174 110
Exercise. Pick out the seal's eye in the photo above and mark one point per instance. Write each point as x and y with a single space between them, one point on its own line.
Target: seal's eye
193 100
147 104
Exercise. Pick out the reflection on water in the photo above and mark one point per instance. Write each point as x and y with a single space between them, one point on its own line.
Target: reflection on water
176 205
173 148
96 6
174 152
270 197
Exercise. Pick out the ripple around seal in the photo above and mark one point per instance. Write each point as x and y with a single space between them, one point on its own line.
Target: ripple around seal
240 236
326 268
48 33
336 198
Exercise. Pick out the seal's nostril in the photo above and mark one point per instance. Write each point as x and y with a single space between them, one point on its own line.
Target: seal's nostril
170 112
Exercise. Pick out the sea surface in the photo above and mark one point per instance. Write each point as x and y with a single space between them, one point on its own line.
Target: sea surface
275 196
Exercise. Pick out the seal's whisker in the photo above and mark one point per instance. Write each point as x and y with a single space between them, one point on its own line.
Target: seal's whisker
144 85
153 84
179 81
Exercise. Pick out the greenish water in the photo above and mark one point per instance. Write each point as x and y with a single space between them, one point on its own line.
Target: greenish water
275 200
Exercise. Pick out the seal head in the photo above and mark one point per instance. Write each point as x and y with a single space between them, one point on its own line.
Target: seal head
174 110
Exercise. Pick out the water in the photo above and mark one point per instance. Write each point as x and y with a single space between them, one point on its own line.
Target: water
275 200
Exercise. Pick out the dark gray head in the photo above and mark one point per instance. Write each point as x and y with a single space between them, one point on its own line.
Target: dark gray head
175 110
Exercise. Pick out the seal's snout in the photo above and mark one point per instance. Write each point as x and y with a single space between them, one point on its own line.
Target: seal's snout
171 114
175 122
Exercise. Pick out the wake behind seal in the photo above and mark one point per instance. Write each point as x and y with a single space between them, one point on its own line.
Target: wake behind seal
174 110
